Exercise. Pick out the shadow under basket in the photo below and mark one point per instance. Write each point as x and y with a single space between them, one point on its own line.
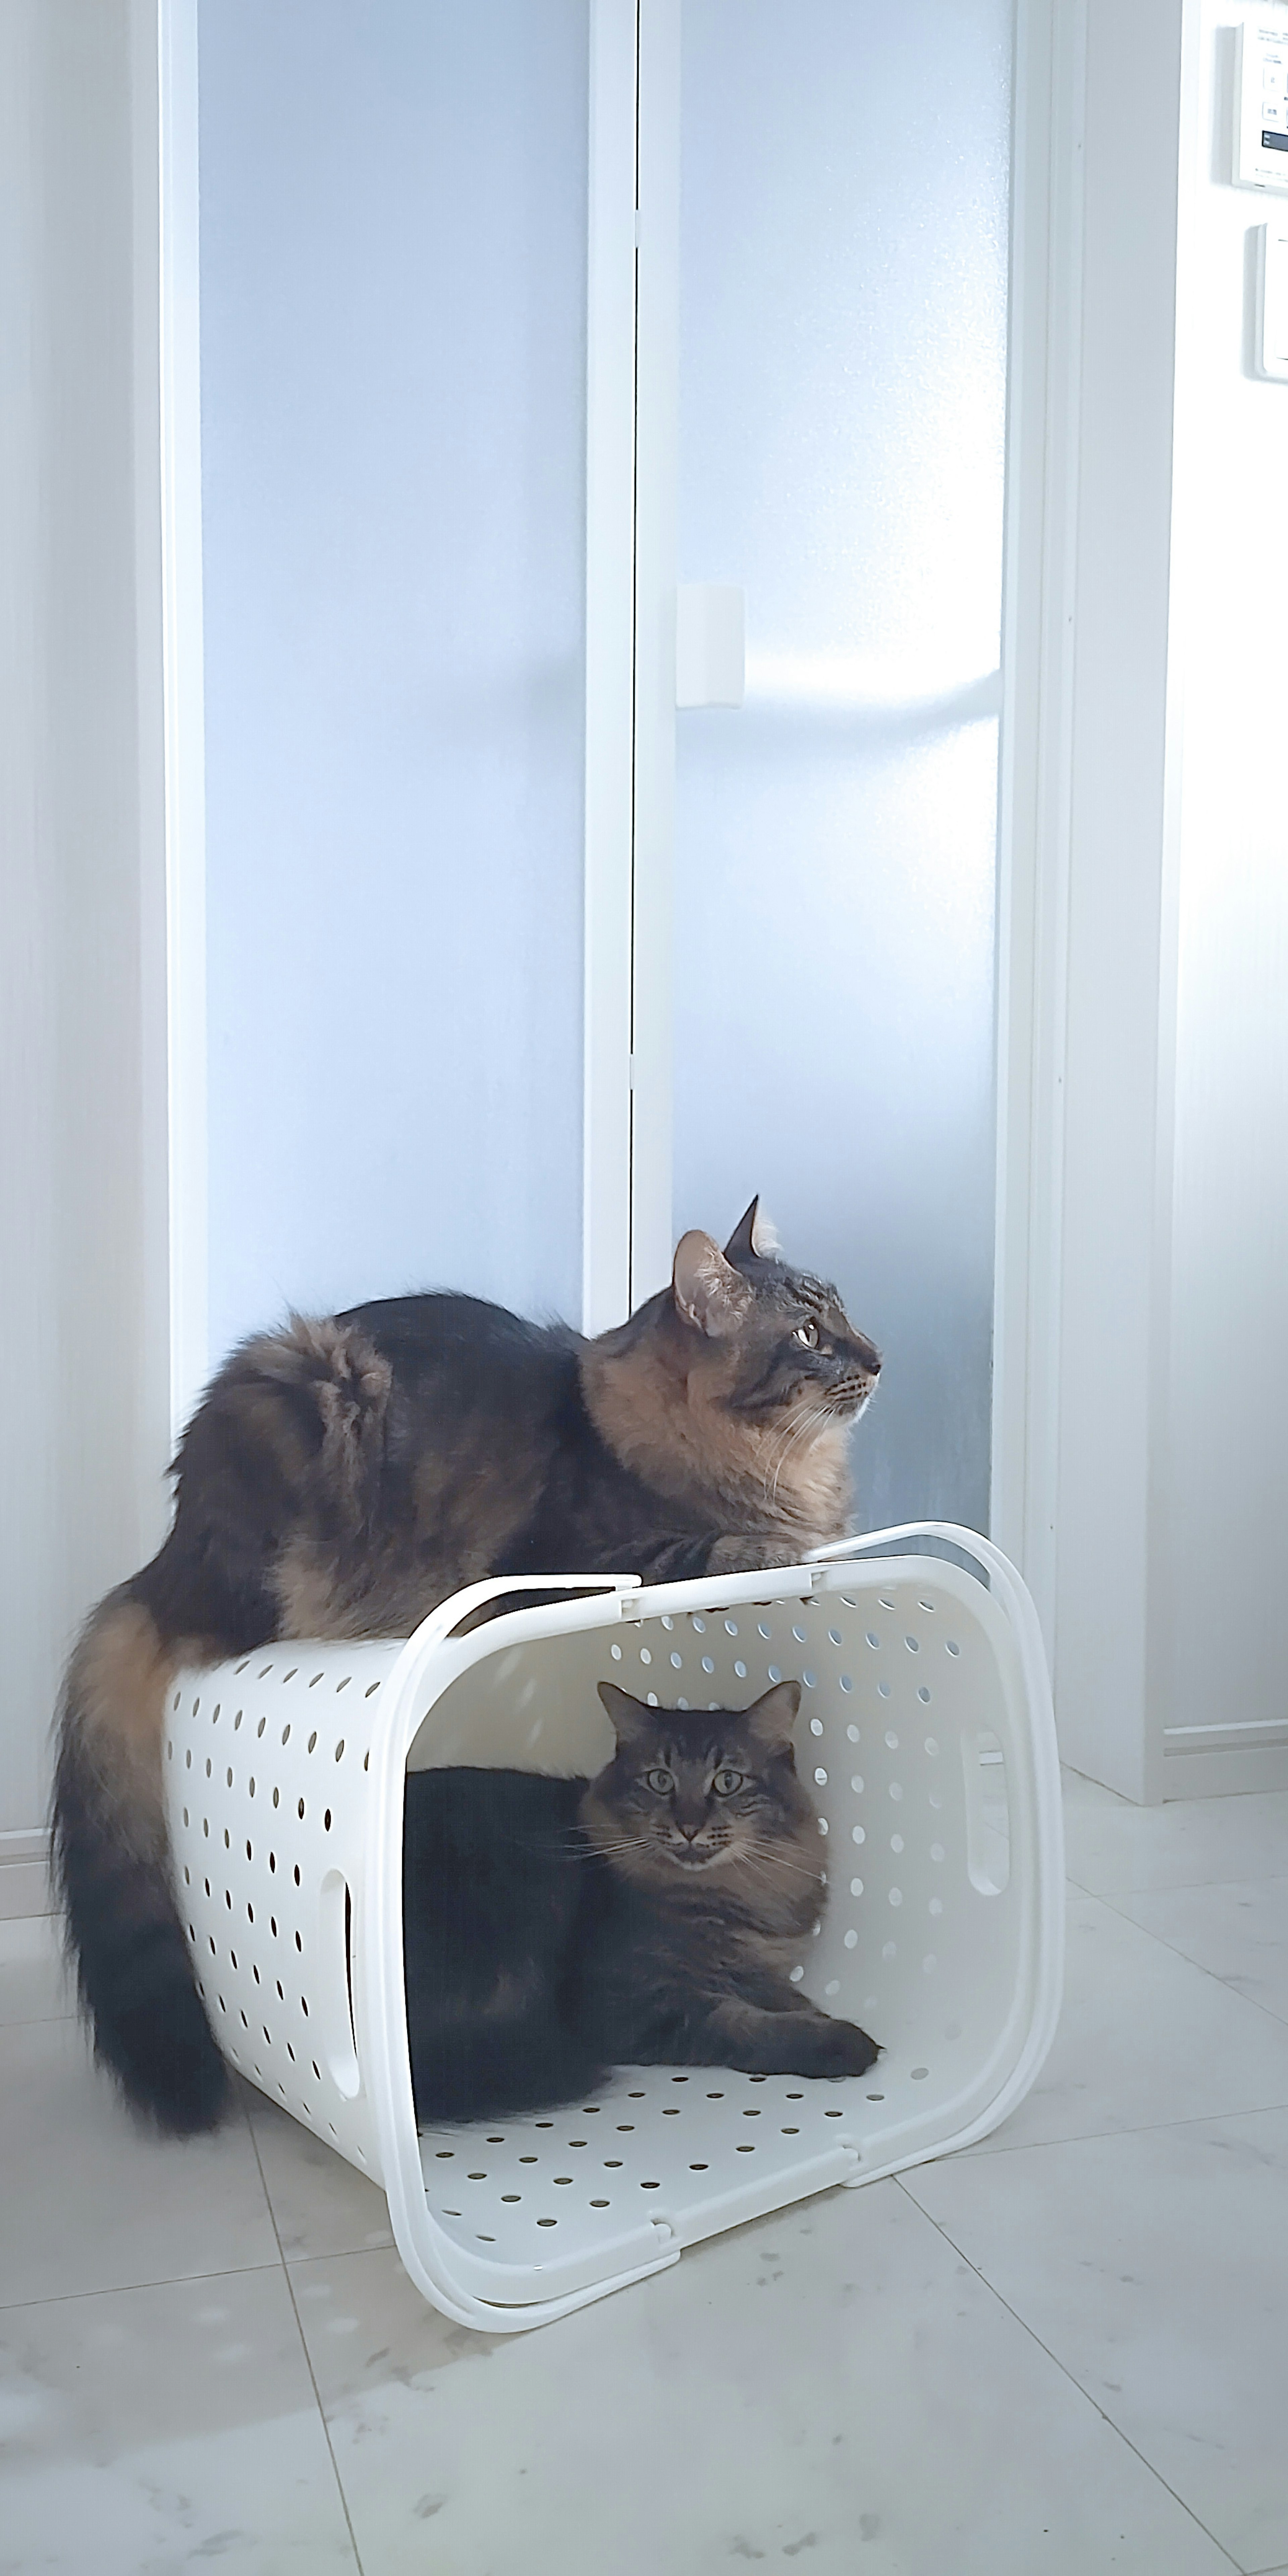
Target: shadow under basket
926 1738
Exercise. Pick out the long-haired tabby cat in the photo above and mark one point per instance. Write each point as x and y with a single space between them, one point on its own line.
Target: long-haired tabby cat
649 1917
341 1478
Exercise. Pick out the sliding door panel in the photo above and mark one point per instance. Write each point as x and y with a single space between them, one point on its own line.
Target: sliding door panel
393 324
843 285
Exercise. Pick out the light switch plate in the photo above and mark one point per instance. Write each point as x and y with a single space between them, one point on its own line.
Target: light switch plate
1261 104
1271 345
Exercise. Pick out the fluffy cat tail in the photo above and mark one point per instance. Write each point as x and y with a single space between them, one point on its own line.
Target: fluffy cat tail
112 1868
486 2070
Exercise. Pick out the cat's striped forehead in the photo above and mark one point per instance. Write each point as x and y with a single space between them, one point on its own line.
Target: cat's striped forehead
690 1751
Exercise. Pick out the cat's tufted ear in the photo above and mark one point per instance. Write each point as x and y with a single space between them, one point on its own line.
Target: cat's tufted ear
627 1716
770 1720
753 1237
709 1293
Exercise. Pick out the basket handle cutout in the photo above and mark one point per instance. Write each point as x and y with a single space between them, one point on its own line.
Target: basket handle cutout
988 1815
503 1593
335 1957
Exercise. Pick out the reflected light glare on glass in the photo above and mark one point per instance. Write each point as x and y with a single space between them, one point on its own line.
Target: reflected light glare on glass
889 686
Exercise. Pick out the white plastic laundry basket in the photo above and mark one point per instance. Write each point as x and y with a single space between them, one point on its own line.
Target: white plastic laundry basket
925 1735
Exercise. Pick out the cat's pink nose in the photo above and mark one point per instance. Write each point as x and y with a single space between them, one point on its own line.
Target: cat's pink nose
691 1832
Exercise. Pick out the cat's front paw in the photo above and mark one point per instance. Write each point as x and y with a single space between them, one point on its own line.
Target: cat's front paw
841 2048
742 1554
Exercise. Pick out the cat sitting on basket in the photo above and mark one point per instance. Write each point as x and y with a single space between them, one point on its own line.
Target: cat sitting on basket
345 1474
651 1916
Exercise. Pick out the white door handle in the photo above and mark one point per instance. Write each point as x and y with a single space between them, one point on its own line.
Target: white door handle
710 644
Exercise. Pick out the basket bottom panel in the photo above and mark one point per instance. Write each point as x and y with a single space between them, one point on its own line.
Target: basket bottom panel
559 2198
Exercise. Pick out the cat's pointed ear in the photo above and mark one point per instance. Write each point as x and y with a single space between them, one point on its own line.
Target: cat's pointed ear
709 1293
627 1716
754 1238
770 1720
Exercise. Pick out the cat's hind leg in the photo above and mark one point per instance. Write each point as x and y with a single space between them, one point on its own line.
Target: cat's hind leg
475 2068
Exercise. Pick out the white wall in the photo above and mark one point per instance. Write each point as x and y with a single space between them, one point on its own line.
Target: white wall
1225 1491
82 1011
1172 1414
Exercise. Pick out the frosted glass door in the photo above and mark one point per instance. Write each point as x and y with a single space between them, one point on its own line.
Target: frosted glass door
843 286
393 326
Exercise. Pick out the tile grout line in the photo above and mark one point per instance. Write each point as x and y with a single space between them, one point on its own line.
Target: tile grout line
304 2347
1183 1887
1073 2380
122 2289
1095 2137
1178 1953
1173 1953
1172 1887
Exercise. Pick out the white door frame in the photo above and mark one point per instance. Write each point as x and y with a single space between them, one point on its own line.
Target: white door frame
183 690
631 400
1034 784
610 664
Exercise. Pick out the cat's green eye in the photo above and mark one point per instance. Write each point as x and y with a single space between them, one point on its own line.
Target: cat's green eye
726 1782
659 1781
807 1333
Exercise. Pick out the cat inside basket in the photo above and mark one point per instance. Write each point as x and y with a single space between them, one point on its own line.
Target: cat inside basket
650 1916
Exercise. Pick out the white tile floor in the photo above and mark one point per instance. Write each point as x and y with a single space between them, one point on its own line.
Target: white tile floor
1066 2351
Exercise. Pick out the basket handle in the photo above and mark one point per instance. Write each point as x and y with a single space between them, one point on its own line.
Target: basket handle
450 1614
968 1542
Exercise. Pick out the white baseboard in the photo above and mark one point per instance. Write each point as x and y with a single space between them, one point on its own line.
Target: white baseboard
1213 1770
24 1875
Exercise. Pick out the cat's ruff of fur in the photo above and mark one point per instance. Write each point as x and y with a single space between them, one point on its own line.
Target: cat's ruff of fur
343 1476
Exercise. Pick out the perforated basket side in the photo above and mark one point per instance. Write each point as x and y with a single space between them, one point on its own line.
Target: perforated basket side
267 1765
